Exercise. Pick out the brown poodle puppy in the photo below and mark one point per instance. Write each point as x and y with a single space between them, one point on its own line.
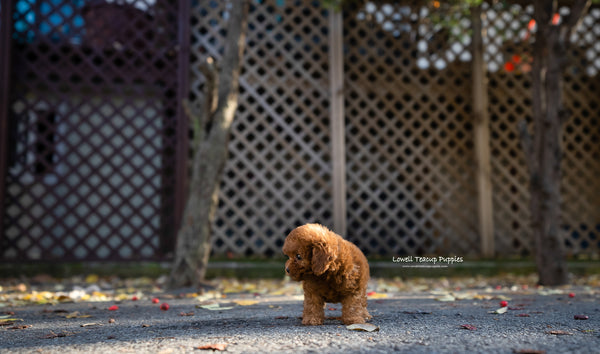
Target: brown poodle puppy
331 270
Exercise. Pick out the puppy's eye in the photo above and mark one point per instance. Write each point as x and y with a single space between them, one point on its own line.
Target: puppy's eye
298 256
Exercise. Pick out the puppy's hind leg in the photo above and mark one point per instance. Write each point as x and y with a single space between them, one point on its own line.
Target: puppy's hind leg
354 310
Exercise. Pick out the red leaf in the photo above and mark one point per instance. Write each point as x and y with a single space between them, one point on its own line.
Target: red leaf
113 308
581 317
164 306
469 327
509 67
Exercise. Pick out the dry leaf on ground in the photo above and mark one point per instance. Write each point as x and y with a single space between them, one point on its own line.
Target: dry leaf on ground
364 327
499 311
245 302
215 346
559 333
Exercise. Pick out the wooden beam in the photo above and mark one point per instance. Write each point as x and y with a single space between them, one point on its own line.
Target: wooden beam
482 140
337 124
5 70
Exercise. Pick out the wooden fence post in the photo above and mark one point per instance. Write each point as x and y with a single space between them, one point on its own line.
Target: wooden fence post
337 125
482 139
5 69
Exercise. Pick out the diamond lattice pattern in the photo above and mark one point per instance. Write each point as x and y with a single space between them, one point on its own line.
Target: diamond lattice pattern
92 121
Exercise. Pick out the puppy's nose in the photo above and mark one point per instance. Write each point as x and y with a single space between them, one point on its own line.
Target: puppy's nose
287 270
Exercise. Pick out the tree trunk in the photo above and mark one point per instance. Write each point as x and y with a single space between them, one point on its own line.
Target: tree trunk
543 152
212 131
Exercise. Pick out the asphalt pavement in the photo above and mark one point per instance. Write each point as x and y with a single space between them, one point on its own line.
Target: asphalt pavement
420 321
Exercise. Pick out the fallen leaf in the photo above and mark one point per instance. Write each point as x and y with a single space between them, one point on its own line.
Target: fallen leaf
581 317
90 324
9 321
52 335
214 307
186 313
145 325
523 315
375 295
216 346
113 308
529 351
76 314
245 302
446 298
20 327
364 327
559 333
500 311
469 327
281 317
91 279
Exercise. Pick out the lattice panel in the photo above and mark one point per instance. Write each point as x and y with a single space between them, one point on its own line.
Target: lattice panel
409 133
581 162
278 173
92 131
509 58
509 102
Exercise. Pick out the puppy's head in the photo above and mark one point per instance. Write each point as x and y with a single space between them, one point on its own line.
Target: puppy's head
311 250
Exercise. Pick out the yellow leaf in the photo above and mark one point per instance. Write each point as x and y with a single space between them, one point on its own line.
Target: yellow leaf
245 302
377 296
91 279
122 297
76 314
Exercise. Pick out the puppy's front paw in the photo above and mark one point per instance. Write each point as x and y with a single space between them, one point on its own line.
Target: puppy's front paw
312 321
352 320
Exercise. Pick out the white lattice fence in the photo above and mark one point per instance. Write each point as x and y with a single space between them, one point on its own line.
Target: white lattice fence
278 174
410 139
409 129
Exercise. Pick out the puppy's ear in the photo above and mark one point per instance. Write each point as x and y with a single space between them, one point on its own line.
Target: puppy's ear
322 256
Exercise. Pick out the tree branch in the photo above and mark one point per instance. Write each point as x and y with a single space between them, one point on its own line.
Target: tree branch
211 86
230 64
571 21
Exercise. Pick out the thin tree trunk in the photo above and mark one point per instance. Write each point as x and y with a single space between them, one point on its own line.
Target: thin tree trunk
544 152
213 127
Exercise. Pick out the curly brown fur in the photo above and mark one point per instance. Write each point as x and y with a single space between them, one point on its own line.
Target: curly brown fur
331 270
